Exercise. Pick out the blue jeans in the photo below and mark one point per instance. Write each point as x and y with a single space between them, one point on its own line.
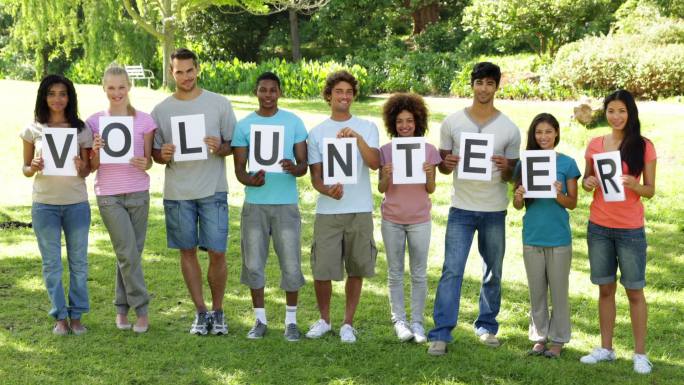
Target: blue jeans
491 239
48 222
610 248
197 222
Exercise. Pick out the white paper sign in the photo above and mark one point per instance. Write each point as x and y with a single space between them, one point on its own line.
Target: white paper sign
475 151
266 147
60 146
187 133
117 134
408 155
339 161
608 170
538 173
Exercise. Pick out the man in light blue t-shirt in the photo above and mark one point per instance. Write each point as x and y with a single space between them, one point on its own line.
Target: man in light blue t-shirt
343 229
271 204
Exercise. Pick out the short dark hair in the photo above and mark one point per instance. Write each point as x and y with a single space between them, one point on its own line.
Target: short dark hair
405 102
484 70
337 77
184 54
42 111
268 75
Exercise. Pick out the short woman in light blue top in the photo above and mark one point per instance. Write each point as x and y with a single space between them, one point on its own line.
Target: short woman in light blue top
547 243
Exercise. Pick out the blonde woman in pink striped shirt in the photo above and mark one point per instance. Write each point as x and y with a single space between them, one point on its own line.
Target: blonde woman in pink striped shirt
123 198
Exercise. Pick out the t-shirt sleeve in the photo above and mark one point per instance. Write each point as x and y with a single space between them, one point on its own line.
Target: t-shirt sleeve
300 130
314 154
649 152
512 150
446 142
85 138
373 139
573 170
149 124
228 122
93 123
158 138
28 133
432 155
240 138
386 154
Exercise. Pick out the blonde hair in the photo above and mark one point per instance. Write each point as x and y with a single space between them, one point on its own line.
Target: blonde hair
116 70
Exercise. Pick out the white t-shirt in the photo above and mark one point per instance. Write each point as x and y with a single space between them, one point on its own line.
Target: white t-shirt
357 198
480 195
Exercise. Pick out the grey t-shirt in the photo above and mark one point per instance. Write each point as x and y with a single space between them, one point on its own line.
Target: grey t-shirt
197 178
57 189
475 195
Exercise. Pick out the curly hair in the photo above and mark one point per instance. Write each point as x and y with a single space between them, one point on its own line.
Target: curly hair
336 77
405 102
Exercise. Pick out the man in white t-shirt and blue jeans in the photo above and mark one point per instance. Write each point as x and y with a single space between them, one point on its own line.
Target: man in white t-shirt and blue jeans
476 206
343 229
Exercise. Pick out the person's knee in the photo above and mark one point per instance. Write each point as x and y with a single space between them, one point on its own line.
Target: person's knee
635 297
607 291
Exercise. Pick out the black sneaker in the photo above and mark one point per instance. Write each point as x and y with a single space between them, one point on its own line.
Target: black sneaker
292 333
258 331
201 325
218 323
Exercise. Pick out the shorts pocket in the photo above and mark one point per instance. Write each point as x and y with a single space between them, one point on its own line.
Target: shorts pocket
222 213
172 215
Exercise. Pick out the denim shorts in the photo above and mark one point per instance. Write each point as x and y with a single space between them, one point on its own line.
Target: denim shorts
197 222
611 248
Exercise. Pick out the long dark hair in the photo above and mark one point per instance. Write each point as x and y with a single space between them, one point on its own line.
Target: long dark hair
542 118
42 111
533 145
633 144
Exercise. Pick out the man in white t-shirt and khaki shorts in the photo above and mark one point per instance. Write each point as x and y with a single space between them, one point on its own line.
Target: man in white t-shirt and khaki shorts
476 206
343 229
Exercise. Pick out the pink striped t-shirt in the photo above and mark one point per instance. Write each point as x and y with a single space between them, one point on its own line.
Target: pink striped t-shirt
112 179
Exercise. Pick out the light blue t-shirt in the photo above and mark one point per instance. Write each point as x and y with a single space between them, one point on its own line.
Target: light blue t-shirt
280 188
357 198
546 223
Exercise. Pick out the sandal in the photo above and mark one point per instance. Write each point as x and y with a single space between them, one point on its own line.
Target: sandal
551 353
537 350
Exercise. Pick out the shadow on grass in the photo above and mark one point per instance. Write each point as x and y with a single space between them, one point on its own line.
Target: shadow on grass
168 354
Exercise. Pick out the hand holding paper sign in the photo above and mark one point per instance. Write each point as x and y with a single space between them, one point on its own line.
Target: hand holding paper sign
335 191
590 183
630 182
449 163
347 133
37 164
257 179
287 165
500 162
213 143
167 151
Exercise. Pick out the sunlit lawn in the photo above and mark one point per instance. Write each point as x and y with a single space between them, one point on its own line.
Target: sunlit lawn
30 354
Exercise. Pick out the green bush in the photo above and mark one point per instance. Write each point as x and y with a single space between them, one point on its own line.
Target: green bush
599 65
301 80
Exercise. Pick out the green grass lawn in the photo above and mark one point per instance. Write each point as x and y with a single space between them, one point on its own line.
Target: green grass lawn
30 354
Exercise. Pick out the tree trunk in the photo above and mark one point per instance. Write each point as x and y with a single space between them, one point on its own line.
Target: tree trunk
294 35
424 15
167 48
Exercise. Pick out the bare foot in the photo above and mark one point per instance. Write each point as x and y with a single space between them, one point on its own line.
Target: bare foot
554 350
537 349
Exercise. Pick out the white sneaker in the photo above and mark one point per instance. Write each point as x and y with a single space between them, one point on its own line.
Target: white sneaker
641 364
597 355
418 333
319 329
347 334
403 332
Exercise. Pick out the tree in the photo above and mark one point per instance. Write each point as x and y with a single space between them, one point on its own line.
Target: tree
543 25
45 29
294 8
160 18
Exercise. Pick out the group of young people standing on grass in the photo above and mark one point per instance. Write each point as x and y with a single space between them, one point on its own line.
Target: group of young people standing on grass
196 211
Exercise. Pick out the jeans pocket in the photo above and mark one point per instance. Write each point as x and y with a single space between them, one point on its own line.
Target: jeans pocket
172 214
222 215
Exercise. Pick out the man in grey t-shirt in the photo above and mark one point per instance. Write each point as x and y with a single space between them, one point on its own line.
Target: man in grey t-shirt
477 206
195 191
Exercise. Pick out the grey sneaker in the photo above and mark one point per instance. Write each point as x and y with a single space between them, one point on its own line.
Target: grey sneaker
292 334
201 324
257 331
218 323
437 348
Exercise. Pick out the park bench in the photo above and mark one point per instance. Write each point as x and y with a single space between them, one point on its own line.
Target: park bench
137 72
